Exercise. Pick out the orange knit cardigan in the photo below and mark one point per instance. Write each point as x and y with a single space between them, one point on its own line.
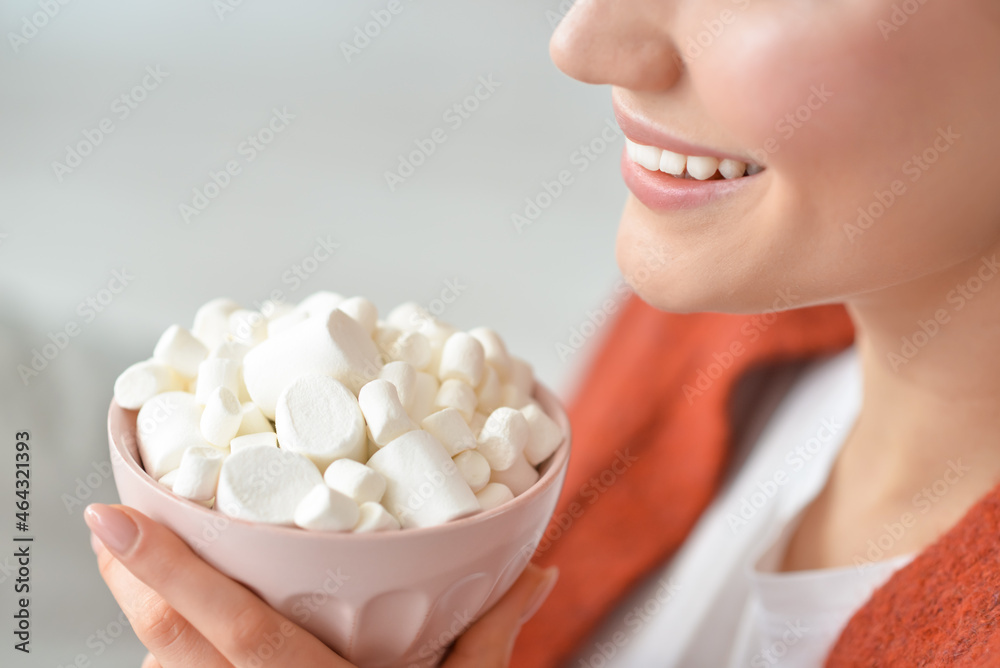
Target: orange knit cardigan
651 435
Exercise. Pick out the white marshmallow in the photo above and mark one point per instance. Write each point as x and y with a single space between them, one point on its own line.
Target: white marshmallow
247 327
518 478
425 389
362 310
334 346
423 485
272 310
493 495
216 373
265 484
495 351
384 334
198 474
489 391
361 483
285 322
166 426
320 418
503 438
325 509
144 380
455 393
404 377
462 358
211 321
477 422
449 427
373 517
261 439
409 316
222 416
544 435
320 303
168 480
522 376
384 414
474 469
230 350
252 420
413 347
180 350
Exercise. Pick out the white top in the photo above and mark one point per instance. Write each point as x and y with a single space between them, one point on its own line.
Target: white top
719 601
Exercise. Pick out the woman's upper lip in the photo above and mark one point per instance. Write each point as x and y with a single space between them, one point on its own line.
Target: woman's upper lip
641 131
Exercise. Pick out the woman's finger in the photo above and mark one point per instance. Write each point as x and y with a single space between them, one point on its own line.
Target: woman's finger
489 642
151 662
247 631
164 632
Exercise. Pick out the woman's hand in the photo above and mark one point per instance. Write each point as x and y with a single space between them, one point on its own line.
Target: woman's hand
189 614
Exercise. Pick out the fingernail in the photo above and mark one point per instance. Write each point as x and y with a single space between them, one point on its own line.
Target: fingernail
95 543
541 593
113 527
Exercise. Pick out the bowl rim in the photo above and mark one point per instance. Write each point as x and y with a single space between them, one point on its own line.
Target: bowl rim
557 462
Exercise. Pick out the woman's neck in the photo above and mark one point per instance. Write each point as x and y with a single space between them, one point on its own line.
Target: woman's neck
930 354
926 445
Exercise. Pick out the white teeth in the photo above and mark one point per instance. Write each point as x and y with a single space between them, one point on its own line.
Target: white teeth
683 166
701 167
672 163
630 147
732 169
648 156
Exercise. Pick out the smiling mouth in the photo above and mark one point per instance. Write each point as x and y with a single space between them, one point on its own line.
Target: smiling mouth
694 167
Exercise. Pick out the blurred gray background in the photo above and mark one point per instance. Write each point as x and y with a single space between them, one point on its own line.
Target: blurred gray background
223 68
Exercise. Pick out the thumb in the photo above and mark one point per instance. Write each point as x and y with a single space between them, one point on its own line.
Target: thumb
489 642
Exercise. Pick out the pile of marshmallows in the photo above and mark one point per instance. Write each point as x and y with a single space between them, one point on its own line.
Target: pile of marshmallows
325 417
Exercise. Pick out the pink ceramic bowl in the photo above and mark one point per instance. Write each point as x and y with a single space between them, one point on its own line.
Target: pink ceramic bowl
381 600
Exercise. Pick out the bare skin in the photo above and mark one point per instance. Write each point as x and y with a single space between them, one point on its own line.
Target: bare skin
895 90
911 100
189 614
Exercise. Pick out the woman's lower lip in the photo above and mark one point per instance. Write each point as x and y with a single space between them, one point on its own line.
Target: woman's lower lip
663 192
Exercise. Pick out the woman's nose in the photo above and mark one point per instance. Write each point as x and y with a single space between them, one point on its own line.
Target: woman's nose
625 43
